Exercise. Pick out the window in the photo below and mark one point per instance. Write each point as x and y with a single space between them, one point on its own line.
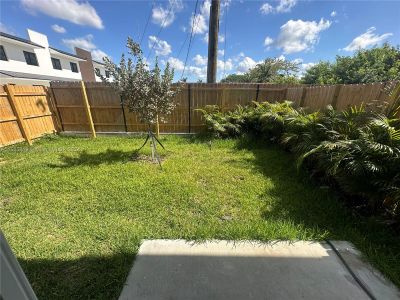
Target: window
56 63
107 74
3 55
30 58
74 67
97 71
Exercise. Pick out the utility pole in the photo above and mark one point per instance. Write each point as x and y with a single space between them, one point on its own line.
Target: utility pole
213 30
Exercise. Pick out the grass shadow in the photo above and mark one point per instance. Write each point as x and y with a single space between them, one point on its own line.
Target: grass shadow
94 159
319 209
83 278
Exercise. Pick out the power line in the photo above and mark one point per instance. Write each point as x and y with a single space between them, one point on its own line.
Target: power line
183 44
159 31
147 22
191 36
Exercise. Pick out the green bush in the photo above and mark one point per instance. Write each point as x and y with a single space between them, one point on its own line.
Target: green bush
356 150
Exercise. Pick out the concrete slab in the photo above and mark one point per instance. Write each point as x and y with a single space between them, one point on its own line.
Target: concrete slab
178 269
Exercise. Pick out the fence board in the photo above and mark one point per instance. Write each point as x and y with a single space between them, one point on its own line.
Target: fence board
25 113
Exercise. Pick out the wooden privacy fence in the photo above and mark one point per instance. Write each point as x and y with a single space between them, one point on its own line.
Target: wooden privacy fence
340 96
26 113
109 116
104 105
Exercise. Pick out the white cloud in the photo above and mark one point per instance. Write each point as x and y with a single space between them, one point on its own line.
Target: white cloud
160 47
221 52
200 25
228 65
245 64
162 16
200 73
205 9
266 8
284 6
226 3
296 36
166 16
282 57
199 22
306 66
369 38
268 42
6 29
297 60
98 54
77 12
176 63
334 13
200 60
85 42
58 28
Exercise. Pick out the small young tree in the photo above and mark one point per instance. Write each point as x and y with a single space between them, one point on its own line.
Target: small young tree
145 92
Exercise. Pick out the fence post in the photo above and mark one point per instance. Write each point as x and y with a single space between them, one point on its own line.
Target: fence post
189 108
285 96
123 114
257 92
223 98
87 109
20 120
336 95
55 113
303 97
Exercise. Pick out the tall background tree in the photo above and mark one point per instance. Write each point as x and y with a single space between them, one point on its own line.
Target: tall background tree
147 92
365 66
271 70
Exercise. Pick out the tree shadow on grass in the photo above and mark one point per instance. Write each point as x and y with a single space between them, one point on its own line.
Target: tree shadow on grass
88 277
319 210
110 156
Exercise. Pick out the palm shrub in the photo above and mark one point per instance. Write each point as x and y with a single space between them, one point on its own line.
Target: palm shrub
357 150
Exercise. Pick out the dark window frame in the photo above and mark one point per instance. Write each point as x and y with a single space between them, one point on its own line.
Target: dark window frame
31 58
3 54
107 74
56 63
74 67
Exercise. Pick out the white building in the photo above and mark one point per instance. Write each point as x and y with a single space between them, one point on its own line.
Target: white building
100 66
34 61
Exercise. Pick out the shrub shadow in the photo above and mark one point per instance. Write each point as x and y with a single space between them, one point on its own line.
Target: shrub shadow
318 209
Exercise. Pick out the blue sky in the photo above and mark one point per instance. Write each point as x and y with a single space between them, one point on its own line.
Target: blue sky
305 31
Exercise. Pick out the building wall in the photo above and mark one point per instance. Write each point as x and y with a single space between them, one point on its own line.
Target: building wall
16 59
102 71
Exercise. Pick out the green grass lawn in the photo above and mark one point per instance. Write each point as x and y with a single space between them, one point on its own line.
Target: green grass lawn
75 210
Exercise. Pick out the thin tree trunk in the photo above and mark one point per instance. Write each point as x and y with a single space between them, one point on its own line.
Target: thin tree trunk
157 127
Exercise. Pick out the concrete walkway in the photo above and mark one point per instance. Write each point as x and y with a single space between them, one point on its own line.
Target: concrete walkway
177 269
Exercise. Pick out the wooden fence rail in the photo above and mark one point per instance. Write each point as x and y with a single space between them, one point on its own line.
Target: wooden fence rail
27 112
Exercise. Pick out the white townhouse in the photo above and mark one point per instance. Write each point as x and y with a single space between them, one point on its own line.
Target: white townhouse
34 61
100 66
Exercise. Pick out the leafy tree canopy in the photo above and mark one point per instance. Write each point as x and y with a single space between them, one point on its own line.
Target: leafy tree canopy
272 70
365 66
144 91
